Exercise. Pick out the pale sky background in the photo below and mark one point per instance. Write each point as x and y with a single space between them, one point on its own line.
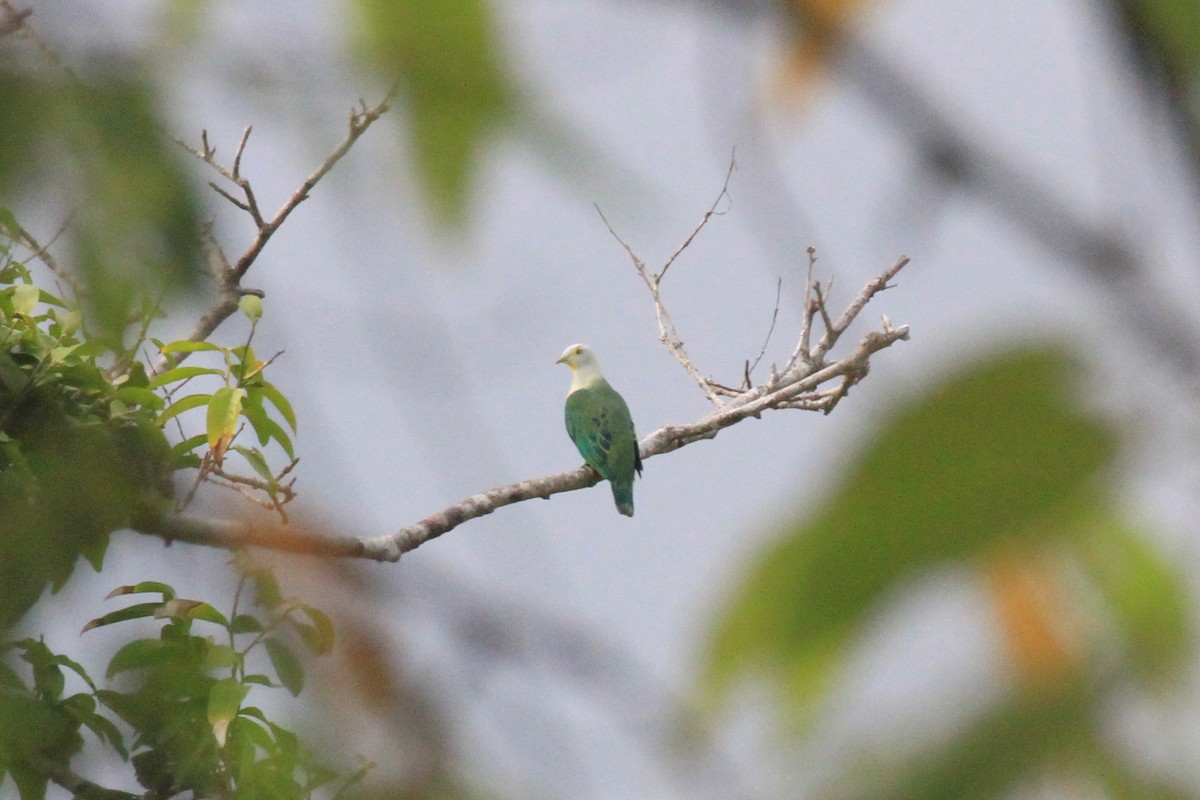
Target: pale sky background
422 369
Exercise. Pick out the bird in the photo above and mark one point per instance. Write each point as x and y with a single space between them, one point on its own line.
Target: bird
599 423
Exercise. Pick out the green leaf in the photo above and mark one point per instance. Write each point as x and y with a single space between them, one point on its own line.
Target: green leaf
91 349
1147 595
260 680
48 679
266 587
254 712
319 635
280 402
77 668
138 611
135 377
1169 31
288 742
995 454
287 666
138 654
224 700
246 623
31 784
252 306
103 728
257 461
191 609
187 445
60 354
9 679
188 346
277 433
223 411
179 406
181 373
139 397
25 298
244 353
221 656
992 757
54 300
251 735
8 221
144 587
447 58
267 429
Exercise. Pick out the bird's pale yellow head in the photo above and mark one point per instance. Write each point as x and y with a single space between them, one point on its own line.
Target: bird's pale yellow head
577 356
583 364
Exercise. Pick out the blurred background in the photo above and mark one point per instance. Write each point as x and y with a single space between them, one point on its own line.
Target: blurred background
973 579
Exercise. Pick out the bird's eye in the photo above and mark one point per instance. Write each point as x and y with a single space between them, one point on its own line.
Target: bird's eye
578 351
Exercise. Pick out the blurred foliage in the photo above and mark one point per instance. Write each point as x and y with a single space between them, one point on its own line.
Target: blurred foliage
80 455
1165 35
997 469
82 447
984 459
446 59
1059 731
189 727
134 216
813 46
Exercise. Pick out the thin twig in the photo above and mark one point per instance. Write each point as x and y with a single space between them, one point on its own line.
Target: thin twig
774 317
872 288
229 281
240 204
801 354
667 334
42 253
820 301
711 212
16 22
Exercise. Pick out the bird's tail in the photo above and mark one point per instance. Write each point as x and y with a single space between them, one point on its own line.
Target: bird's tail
623 496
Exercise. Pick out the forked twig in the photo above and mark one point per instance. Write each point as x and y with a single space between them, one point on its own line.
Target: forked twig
229 289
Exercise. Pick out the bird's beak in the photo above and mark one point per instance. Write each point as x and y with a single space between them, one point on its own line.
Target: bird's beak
563 360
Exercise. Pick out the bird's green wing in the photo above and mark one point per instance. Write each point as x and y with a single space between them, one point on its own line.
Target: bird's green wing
598 422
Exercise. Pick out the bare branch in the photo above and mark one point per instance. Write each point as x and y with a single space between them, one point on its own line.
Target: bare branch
820 299
16 22
278 495
791 389
359 122
42 253
242 205
229 289
801 353
12 20
667 334
712 211
873 288
237 159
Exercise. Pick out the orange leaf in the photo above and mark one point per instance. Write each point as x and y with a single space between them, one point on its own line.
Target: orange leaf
1043 638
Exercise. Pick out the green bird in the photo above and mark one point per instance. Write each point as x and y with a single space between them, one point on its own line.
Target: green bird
599 424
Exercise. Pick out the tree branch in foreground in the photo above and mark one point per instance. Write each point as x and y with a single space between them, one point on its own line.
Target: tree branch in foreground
797 386
229 276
